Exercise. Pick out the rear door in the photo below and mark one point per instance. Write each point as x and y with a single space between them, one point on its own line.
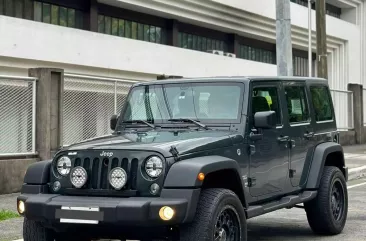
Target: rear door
300 130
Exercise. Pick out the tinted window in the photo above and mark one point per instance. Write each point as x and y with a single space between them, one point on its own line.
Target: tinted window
322 103
297 106
266 99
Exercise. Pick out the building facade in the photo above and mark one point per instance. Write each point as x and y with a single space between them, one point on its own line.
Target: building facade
138 40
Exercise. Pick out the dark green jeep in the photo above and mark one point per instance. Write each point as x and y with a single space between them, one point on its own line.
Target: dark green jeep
192 160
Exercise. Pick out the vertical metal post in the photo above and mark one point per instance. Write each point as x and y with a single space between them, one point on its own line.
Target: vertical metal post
283 38
310 51
34 116
115 97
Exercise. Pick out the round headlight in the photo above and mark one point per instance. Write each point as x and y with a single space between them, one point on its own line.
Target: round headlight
78 177
64 165
118 178
154 166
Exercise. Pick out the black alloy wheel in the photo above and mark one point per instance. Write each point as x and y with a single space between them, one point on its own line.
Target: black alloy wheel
227 225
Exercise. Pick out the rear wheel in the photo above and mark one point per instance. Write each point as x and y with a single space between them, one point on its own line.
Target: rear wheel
34 231
327 213
219 216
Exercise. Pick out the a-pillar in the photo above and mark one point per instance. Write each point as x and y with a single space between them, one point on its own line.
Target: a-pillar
49 114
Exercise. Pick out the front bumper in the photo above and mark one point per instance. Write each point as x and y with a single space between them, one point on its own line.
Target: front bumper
132 211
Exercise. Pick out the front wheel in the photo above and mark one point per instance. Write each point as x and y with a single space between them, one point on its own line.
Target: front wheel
327 213
34 231
220 216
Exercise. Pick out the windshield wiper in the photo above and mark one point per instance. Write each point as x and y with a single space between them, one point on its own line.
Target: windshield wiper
190 121
139 121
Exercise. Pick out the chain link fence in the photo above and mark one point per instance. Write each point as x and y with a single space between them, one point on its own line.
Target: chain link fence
89 102
343 107
17 115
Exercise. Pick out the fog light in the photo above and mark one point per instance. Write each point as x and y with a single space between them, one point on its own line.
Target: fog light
154 189
166 213
21 207
56 186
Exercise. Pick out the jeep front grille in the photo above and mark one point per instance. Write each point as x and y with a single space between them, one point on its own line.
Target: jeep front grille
99 168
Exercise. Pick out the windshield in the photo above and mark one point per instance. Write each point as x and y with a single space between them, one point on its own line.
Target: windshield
204 102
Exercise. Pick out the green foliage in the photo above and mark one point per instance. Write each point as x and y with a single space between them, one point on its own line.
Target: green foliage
7 214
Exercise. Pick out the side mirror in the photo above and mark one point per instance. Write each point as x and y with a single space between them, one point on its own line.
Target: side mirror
265 120
113 122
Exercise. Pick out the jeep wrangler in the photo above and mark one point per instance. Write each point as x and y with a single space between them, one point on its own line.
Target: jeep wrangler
193 160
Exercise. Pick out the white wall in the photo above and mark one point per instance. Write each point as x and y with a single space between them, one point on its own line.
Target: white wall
55 44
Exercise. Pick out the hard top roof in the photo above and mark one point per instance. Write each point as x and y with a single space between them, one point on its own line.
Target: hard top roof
234 79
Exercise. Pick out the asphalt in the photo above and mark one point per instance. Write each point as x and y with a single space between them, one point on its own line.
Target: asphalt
280 225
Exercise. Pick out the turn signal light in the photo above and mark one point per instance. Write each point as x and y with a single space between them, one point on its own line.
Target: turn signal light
166 213
21 207
201 176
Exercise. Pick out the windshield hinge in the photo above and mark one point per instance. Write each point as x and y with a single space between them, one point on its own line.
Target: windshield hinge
175 153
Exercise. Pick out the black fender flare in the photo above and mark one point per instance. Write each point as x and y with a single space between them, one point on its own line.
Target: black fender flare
184 174
319 157
38 173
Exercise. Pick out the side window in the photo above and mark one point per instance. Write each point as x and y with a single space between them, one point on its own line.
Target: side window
322 103
297 105
266 99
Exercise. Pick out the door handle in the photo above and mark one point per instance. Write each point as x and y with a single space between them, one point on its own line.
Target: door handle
283 138
309 135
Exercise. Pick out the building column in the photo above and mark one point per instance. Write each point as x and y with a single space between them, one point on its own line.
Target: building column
233 46
93 16
172 33
357 112
49 110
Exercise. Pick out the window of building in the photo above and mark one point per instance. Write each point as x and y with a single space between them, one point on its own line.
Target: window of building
257 54
322 103
266 99
58 15
12 8
297 106
200 43
331 10
131 29
300 66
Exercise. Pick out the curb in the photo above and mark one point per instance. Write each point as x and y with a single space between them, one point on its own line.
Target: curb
356 173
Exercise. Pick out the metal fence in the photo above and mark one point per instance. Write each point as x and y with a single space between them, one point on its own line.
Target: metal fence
364 107
343 106
89 102
17 115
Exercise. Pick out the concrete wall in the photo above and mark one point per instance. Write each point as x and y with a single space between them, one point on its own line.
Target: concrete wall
71 46
12 174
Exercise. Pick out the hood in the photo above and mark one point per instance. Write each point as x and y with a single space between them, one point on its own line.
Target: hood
185 141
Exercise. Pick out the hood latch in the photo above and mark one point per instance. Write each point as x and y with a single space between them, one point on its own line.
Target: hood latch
175 153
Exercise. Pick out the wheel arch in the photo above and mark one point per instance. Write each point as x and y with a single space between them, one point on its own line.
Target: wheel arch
325 154
184 174
38 173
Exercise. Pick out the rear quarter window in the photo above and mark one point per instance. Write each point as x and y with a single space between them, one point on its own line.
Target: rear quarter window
322 103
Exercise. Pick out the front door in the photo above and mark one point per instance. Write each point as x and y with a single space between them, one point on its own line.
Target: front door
270 155
300 130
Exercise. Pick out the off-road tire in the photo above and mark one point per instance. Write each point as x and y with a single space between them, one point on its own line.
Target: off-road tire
211 204
34 231
319 210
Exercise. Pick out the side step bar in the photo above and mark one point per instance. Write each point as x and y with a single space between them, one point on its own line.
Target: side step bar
285 202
